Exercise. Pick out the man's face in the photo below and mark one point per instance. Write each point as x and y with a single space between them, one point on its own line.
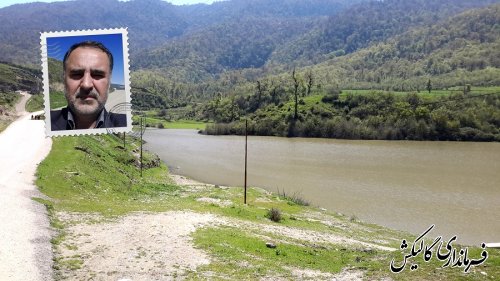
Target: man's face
86 80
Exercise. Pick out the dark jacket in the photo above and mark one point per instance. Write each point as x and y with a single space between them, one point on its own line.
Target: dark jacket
59 120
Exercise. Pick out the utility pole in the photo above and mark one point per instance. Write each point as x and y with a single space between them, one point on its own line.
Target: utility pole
246 149
142 133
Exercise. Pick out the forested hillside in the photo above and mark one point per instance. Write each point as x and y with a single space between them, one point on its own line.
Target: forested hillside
201 15
284 64
238 44
364 24
235 35
458 50
150 23
281 33
464 49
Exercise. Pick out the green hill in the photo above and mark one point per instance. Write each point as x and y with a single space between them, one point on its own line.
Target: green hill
55 70
200 16
15 77
149 22
232 59
238 44
366 24
461 50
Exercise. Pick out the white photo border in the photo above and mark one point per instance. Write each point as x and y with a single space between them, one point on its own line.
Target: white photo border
46 83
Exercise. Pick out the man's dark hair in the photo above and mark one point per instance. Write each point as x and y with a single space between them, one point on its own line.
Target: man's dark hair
90 44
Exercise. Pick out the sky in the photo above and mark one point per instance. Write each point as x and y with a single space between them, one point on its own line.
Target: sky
5 3
57 47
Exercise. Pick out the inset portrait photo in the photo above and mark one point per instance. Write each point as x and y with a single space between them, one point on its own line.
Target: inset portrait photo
86 82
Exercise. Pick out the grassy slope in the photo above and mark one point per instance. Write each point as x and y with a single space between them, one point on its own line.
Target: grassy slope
434 95
76 176
57 100
152 120
7 103
16 77
35 103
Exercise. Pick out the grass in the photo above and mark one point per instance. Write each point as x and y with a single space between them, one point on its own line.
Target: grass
7 104
186 124
17 77
295 198
425 94
9 100
57 100
76 173
35 103
232 248
76 177
178 124
239 254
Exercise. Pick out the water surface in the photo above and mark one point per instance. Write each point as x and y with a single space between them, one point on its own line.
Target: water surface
400 184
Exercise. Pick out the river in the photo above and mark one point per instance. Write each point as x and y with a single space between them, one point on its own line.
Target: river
403 185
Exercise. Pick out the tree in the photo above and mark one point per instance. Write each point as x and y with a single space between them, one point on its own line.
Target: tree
296 84
162 113
310 81
260 93
467 88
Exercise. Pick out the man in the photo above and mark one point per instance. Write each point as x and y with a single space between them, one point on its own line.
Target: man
87 69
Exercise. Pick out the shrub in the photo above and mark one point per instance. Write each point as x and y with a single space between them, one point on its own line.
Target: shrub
274 214
125 157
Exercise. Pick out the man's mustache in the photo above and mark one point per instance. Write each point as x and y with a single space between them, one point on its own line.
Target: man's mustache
91 94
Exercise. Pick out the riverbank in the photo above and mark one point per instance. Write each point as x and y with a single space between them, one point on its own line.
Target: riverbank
404 185
162 227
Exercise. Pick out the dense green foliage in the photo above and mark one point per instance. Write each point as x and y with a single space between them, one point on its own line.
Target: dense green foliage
232 59
239 44
278 41
466 117
151 23
221 11
445 52
368 23
464 49
235 35
21 24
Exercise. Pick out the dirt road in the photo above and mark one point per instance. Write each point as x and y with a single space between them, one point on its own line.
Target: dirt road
25 249
114 98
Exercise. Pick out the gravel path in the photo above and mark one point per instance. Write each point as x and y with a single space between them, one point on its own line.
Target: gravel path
25 249
138 247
